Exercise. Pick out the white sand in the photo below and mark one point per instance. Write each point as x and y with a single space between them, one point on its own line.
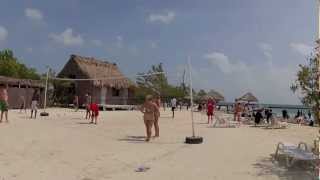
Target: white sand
62 146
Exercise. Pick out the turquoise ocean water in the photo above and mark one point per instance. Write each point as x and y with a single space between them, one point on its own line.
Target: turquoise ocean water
277 108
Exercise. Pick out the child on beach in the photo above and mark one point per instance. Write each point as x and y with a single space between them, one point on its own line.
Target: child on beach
149 110
94 112
4 103
210 110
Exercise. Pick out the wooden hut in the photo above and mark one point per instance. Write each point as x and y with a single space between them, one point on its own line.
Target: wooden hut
216 95
110 86
18 88
248 97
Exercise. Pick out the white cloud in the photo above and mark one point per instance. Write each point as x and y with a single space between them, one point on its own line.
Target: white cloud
266 50
165 18
269 82
97 42
301 48
133 50
119 42
3 33
33 14
223 63
29 50
153 45
67 38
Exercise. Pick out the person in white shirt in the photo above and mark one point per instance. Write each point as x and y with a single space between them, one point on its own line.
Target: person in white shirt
173 105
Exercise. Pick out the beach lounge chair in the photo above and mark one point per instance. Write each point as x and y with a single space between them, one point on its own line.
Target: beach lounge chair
225 123
277 124
295 154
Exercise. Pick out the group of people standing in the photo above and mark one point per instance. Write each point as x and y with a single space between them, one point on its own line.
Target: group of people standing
4 103
151 113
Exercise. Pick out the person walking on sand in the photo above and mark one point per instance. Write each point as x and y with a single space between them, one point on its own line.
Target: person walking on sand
76 103
157 101
258 117
23 103
87 104
237 111
149 110
94 108
34 104
173 106
210 110
4 103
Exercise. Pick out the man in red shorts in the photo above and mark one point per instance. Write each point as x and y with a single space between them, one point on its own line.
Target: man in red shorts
210 110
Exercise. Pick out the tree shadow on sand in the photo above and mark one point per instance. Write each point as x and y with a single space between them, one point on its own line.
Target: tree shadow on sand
269 167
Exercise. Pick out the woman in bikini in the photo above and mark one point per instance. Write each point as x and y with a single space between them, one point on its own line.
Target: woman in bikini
149 110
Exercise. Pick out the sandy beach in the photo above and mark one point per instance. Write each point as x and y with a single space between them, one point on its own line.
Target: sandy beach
65 146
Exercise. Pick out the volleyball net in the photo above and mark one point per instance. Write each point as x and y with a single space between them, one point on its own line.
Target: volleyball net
116 90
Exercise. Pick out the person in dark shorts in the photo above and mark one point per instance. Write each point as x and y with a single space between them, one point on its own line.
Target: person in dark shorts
258 117
173 106
34 104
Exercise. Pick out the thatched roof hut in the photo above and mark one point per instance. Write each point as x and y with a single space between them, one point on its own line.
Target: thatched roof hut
25 88
109 75
9 81
107 84
215 95
248 97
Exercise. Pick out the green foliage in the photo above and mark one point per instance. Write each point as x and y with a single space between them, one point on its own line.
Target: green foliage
11 67
307 85
62 93
157 85
202 93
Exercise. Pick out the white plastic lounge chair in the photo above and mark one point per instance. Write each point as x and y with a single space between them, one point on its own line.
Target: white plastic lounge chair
295 153
276 124
225 123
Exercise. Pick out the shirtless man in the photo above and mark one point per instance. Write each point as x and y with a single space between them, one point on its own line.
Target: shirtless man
3 103
237 111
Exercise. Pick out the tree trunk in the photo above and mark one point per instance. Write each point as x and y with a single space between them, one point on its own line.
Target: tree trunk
316 113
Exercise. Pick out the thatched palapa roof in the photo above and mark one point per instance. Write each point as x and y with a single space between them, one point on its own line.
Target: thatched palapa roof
215 95
249 97
109 75
22 82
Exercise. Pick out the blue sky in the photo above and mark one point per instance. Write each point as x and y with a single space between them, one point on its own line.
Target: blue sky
235 45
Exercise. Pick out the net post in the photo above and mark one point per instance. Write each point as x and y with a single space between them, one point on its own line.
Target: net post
191 96
46 90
